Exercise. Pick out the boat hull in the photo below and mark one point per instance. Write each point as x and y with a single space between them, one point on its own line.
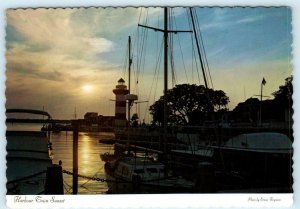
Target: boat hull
117 185
259 168
27 161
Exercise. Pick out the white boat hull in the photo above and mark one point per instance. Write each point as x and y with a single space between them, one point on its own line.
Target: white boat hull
27 162
119 185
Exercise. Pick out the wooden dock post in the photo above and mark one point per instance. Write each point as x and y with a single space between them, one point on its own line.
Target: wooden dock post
205 181
54 180
75 156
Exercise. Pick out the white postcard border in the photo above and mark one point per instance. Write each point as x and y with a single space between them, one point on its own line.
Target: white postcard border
150 201
154 201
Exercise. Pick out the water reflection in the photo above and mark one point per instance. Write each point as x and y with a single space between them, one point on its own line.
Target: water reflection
89 163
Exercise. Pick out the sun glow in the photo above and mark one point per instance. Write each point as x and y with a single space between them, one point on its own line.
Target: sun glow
87 88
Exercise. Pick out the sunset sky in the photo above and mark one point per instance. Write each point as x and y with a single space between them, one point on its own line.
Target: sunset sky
67 58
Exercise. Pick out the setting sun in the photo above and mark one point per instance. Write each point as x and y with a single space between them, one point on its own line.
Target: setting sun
87 88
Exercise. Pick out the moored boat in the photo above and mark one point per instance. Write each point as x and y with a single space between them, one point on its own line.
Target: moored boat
28 157
143 175
259 158
247 162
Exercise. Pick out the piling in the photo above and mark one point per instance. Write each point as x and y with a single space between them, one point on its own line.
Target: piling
205 181
54 180
75 156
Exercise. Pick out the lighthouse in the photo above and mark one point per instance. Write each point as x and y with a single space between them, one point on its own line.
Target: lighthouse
120 112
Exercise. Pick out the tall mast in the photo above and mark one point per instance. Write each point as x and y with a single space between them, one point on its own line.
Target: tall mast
166 32
129 71
165 77
198 48
129 61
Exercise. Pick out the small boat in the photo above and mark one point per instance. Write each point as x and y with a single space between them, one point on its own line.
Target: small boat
142 175
28 156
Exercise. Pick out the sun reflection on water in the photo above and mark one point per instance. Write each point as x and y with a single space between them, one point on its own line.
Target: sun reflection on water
89 162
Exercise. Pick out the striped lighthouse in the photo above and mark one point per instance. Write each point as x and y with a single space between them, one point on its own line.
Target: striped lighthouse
120 112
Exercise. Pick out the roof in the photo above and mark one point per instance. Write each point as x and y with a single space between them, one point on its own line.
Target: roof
38 112
260 141
121 80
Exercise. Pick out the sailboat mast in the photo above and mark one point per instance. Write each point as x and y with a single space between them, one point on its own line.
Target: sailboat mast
129 61
166 32
165 76
198 48
129 71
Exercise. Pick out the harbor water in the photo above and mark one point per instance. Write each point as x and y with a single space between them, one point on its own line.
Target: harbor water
89 161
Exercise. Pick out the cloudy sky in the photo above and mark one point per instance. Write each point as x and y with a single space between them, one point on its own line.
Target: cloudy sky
67 58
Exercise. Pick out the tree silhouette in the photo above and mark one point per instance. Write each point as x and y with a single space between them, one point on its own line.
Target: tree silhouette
188 104
284 95
134 119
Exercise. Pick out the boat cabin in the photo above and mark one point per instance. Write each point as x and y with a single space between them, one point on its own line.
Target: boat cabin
140 168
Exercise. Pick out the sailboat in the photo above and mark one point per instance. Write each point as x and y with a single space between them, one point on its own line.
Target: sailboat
141 174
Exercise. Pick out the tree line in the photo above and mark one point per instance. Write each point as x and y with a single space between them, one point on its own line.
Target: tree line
191 104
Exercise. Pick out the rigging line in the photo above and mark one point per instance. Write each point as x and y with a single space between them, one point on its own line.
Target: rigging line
192 63
139 56
134 67
123 68
141 61
204 51
144 37
194 59
156 68
185 71
198 48
157 75
172 19
156 72
125 61
142 69
139 51
157 35
145 50
157 78
196 63
190 26
195 47
144 57
159 50
134 76
171 56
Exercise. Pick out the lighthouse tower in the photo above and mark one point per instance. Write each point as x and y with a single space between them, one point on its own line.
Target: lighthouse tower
120 112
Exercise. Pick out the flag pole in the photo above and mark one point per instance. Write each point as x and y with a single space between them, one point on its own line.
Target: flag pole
261 93
263 82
